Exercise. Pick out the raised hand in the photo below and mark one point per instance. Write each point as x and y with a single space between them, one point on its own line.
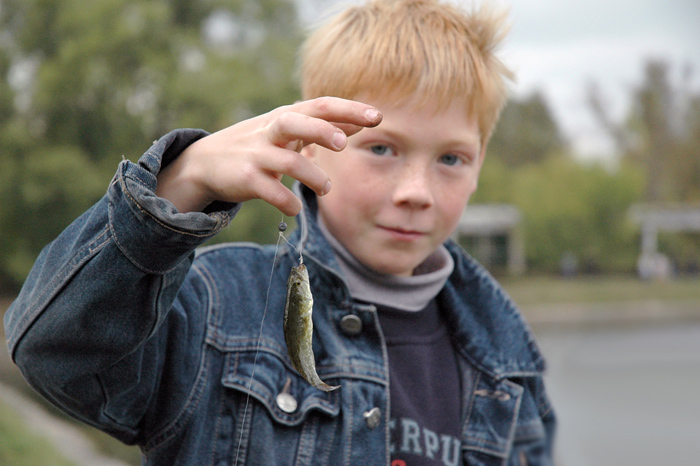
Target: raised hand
247 160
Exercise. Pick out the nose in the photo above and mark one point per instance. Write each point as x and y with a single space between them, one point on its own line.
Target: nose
414 188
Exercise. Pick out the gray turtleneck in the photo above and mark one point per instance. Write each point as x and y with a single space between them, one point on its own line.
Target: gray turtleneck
406 293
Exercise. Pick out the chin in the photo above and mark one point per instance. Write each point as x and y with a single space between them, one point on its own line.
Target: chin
396 263
392 269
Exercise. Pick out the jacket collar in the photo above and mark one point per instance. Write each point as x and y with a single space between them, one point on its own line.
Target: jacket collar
487 327
309 237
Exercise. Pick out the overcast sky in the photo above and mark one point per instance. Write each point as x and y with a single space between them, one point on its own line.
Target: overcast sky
558 46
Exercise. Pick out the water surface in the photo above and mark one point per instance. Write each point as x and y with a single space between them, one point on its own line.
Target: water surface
625 396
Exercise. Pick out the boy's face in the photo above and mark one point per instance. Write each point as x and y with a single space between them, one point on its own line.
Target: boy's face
398 190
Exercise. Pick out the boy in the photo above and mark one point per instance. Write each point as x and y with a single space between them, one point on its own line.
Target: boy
122 326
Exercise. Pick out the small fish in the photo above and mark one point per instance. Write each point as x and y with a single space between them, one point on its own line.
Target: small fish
299 327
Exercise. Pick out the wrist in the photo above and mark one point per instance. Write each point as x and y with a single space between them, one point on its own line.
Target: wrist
180 183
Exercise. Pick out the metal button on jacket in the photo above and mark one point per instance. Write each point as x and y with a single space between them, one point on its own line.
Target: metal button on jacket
286 402
351 324
373 417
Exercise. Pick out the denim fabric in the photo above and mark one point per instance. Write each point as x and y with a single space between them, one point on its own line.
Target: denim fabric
123 325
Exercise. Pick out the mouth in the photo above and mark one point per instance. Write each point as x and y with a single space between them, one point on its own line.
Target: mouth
403 233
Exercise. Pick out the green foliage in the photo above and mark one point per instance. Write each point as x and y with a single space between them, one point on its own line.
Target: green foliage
582 210
495 182
683 248
661 134
85 83
526 132
45 195
686 157
569 207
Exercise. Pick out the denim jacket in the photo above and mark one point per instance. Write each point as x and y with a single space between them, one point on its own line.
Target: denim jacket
124 326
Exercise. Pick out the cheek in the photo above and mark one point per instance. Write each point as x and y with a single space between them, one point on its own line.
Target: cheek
468 188
453 204
359 189
451 218
345 205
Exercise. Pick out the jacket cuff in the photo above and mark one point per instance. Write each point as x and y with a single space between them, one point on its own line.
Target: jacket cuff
148 229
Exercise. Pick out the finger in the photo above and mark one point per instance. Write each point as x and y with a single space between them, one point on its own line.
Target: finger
347 128
289 128
339 110
272 191
297 166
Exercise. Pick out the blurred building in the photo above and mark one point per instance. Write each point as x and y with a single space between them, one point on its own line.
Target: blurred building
653 220
491 233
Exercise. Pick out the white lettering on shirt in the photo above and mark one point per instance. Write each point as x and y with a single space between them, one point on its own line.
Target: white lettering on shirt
411 439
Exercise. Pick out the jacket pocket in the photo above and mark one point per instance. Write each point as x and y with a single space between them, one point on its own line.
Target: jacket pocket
504 427
491 422
286 396
273 416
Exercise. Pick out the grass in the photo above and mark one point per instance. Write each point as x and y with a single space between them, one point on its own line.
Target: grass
112 447
19 446
599 289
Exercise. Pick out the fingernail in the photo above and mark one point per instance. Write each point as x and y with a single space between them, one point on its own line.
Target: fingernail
372 114
339 139
326 188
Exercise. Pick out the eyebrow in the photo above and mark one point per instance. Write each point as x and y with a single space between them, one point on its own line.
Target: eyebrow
471 142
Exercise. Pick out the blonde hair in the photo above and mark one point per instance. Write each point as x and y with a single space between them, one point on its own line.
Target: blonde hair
404 49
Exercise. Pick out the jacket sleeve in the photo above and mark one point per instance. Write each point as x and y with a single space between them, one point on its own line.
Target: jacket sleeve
98 311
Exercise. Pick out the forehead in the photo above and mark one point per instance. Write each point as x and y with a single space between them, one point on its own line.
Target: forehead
425 120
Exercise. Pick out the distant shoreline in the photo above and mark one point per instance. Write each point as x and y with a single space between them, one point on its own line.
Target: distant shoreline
608 314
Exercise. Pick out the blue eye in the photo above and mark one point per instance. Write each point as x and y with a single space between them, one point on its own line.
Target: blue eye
380 149
450 159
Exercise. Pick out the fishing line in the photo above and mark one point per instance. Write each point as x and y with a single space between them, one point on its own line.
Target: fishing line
301 253
282 227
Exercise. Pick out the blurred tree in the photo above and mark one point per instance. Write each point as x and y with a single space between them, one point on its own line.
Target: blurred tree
84 83
661 134
686 160
569 207
526 132
112 72
495 182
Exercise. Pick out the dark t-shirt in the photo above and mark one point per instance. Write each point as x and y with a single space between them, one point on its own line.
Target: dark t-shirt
424 387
